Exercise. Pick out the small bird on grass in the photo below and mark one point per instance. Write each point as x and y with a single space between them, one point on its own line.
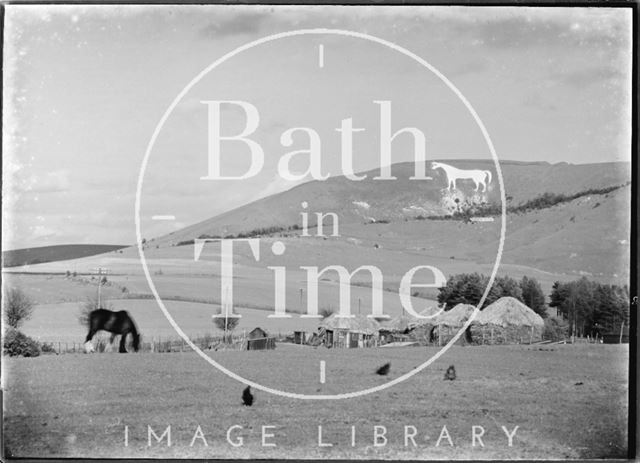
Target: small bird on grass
451 373
384 369
247 397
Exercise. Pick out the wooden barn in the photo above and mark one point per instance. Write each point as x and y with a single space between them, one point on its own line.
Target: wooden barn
259 339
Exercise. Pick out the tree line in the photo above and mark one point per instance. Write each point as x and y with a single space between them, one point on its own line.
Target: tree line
589 307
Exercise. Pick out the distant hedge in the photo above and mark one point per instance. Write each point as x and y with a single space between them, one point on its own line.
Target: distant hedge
544 201
250 234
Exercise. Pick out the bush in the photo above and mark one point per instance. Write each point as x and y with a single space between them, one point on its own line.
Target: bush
17 344
325 312
47 348
18 307
227 324
555 329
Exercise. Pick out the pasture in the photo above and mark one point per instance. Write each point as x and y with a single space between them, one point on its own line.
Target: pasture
59 322
567 401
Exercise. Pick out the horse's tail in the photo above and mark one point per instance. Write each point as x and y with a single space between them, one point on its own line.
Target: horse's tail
488 174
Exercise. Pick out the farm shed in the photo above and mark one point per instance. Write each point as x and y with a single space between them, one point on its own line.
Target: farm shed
359 331
507 321
258 339
447 324
301 337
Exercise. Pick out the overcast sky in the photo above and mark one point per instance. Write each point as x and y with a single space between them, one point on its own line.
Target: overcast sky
85 87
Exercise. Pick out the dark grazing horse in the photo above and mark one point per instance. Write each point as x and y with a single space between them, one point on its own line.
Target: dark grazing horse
117 323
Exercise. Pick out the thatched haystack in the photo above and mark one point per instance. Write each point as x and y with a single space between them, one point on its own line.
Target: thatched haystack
407 327
398 329
455 317
358 331
400 324
358 324
507 321
446 325
432 312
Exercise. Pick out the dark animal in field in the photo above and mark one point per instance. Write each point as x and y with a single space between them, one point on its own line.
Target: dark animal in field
450 373
384 369
116 323
247 396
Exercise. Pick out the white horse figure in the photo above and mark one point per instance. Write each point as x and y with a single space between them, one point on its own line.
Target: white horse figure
453 174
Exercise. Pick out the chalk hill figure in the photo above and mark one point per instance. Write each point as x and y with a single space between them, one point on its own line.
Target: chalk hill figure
450 373
247 397
479 177
384 369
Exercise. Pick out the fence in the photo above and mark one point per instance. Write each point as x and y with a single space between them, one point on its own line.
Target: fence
261 343
153 344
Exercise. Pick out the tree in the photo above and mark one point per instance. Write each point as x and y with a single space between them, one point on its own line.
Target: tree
591 307
468 288
463 288
504 286
226 324
555 329
18 307
533 296
326 312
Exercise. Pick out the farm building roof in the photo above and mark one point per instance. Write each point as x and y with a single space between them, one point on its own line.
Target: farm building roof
258 332
357 324
508 311
400 323
454 317
432 312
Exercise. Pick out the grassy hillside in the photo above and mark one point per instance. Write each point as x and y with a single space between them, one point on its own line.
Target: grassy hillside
30 256
374 200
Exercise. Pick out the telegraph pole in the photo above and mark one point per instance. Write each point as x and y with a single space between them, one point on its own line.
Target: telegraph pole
100 271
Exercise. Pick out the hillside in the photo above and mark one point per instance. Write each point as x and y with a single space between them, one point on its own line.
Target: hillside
374 200
587 235
43 254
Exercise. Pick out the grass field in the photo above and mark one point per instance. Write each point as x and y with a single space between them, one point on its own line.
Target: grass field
568 402
59 322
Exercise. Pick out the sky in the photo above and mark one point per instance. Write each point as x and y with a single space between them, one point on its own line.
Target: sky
85 87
